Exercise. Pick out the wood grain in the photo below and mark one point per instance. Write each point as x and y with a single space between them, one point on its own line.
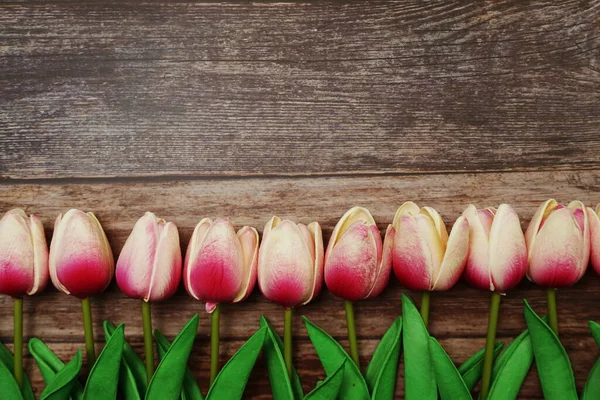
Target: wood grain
202 89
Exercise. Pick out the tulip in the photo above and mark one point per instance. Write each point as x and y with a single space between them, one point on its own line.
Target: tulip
357 263
220 267
23 269
290 269
424 257
595 237
81 263
149 269
497 262
558 242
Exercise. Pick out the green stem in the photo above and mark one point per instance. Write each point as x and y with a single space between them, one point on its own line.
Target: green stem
18 340
488 360
352 332
287 340
214 343
88 331
425 296
148 340
552 311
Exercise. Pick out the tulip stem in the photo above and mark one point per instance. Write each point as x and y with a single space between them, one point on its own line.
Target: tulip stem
287 340
214 343
488 359
352 332
18 341
148 340
552 311
88 331
425 296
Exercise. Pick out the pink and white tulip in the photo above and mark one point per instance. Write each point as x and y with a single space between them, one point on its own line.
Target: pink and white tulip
81 260
290 262
558 242
149 266
357 263
594 217
424 257
220 264
497 258
23 254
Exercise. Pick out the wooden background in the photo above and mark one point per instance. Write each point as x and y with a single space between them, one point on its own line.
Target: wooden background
303 110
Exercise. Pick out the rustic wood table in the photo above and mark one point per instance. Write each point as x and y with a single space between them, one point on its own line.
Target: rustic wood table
302 110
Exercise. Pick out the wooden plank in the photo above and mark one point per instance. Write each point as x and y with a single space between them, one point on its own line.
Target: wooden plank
136 88
458 317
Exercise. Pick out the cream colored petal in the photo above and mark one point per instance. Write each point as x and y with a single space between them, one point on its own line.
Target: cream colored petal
192 252
385 265
585 252
350 217
317 235
249 241
438 222
408 208
541 213
40 255
594 221
455 257
477 271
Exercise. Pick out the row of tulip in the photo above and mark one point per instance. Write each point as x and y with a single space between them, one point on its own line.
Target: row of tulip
486 246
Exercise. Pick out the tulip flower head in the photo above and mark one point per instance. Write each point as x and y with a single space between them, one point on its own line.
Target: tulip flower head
149 266
23 254
357 263
220 264
424 257
558 242
594 217
81 261
497 258
290 262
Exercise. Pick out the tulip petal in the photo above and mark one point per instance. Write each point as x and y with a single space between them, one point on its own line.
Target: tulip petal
166 269
455 257
348 219
16 254
535 224
508 251
440 227
594 239
477 271
40 256
192 253
582 220
249 240
318 260
385 266
407 208
410 255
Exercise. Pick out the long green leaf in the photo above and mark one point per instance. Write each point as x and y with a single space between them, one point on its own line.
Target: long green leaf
472 369
133 381
595 329
551 359
278 376
168 379
383 368
231 381
419 376
8 386
190 390
6 357
449 380
591 391
332 355
60 387
104 376
330 387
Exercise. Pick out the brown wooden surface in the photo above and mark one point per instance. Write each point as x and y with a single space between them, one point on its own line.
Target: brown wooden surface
301 110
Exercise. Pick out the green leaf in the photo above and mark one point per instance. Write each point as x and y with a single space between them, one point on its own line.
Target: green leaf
60 387
510 368
278 376
551 359
104 376
167 381
49 365
332 355
190 391
8 385
383 368
419 376
591 391
6 357
329 388
449 380
133 381
595 329
472 369
232 380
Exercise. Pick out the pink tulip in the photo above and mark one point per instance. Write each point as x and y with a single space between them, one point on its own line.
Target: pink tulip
220 265
23 254
81 261
149 266
424 257
558 242
595 237
290 262
357 264
497 258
